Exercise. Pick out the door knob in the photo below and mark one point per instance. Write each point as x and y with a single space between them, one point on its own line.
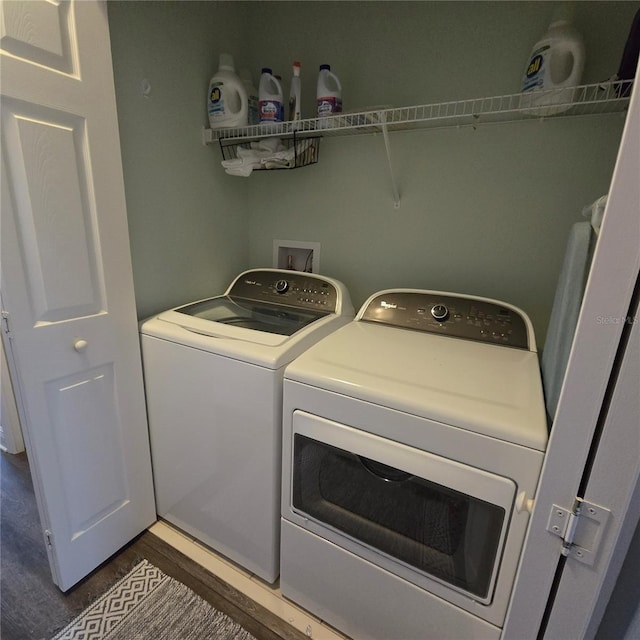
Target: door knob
80 345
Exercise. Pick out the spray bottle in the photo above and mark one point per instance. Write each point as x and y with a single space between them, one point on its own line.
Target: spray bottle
294 94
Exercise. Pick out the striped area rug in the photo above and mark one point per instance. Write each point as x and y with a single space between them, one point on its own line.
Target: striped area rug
148 605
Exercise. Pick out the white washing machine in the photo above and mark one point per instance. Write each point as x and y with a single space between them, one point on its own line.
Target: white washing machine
213 379
413 439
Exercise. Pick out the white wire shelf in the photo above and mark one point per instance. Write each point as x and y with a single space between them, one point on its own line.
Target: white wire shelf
592 99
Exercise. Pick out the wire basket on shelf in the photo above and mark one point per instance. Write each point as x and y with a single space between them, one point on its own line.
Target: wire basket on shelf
273 153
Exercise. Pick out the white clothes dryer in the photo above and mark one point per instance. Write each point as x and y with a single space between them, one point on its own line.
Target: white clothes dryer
413 440
213 379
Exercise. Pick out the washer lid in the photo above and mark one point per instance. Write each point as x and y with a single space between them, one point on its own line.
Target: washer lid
250 314
264 306
482 387
266 317
270 350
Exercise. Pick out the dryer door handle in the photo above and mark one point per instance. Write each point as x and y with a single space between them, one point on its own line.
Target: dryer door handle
383 471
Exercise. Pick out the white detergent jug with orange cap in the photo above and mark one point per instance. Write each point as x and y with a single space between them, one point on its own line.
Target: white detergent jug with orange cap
555 67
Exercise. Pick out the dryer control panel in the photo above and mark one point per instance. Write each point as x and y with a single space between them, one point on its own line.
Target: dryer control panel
447 314
292 288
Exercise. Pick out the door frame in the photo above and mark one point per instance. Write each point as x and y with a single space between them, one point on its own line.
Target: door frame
618 448
607 300
9 415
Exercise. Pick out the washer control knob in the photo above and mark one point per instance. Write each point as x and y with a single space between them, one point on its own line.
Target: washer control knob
282 286
439 312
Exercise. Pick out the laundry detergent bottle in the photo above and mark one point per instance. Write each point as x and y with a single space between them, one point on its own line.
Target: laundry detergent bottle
227 100
252 95
270 105
556 62
329 95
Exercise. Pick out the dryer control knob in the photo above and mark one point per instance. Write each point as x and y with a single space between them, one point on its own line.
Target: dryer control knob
439 312
281 286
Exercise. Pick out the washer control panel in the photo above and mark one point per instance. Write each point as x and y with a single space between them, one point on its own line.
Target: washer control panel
446 314
292 288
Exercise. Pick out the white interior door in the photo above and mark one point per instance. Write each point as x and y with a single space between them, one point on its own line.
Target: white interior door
607 301
67 285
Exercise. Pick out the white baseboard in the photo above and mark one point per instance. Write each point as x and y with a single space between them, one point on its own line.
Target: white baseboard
268 596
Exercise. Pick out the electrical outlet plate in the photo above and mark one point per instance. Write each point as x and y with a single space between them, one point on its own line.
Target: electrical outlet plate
296 254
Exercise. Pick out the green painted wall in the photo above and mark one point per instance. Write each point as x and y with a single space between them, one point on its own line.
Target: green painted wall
187 221
483 211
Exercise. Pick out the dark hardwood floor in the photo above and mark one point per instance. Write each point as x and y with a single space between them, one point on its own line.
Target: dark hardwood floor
33 608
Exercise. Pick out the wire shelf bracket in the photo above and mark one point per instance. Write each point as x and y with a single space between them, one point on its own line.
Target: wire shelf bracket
387 146
610 97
